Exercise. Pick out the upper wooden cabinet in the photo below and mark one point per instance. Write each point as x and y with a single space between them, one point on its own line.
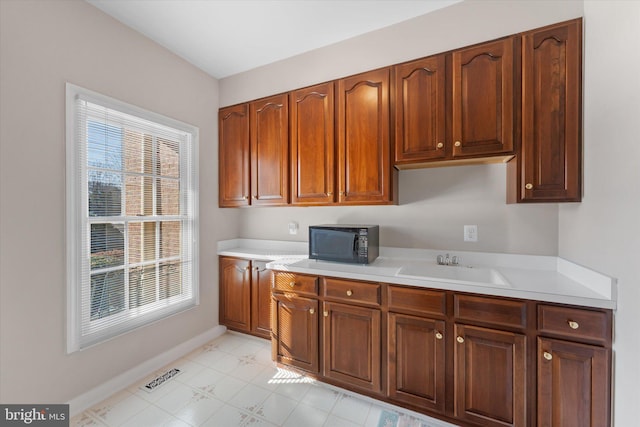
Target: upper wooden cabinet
269 120
311 114
548 167
483 99
420 111
233 152
364 146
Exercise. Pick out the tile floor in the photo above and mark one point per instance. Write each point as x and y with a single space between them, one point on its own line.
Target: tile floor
232 382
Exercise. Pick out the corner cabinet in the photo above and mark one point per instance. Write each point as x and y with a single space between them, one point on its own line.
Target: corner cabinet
364 168
548 166
245 296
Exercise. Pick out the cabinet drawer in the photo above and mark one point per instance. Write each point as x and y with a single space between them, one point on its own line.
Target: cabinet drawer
299 283
418 301
350 291
496 311
575 323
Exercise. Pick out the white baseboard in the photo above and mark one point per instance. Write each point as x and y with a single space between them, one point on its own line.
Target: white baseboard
96 395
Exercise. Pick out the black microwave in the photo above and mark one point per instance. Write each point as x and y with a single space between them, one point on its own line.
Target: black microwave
356 244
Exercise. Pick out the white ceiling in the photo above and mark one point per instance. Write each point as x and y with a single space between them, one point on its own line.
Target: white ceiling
226 37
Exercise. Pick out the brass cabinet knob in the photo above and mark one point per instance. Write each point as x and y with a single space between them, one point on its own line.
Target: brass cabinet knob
460 340
342 193
349 292
245 198
329 193
529 186
438 335
457 143
255 197
326 314
440 145
292 284
312 311
573 325
247 267
547 355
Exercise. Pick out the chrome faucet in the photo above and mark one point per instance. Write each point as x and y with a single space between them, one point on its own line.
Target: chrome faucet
446 260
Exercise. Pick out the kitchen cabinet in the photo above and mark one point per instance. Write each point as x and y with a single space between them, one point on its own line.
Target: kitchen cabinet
483 98
573 367
312 145
233 152
245 296
269 120
420 111
364 168
294 319
548 165
416 350
235 293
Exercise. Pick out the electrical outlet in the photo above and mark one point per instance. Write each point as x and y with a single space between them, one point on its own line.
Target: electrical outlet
470 233
293 227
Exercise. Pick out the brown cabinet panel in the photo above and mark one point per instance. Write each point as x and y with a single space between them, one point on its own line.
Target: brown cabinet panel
574 323
351 342
417 301
260 299
233 152
501 312
298 283
416 361
420 110
312 145
490 376
270 150
235 293
351 291
574 383
549 165
483 99
295 331
364 151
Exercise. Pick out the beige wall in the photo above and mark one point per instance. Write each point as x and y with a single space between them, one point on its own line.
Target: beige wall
43 45
601 231
435 204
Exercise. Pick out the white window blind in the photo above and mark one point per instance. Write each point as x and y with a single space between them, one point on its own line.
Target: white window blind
131 217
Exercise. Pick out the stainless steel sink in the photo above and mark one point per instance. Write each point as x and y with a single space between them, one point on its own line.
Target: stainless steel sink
459 274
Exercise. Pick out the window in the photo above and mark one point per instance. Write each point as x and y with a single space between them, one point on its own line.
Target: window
132 198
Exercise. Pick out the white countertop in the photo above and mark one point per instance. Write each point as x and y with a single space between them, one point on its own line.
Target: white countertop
542 278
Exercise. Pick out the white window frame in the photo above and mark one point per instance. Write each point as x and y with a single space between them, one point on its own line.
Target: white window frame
81 331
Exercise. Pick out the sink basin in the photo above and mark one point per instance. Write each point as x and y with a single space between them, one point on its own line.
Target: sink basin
458 274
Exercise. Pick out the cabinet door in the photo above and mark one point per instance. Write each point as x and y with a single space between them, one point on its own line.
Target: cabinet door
312 145
260 299
270 151
573 384
490 373
416 361
351 345
364 164
295 331
420 110
233 152
483 99
551 114
235 293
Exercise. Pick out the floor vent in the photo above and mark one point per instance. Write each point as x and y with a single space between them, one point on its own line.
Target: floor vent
160 380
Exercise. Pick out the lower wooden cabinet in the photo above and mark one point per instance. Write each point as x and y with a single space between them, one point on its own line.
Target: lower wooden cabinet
295 326
351 345
245 296
490 376
416 361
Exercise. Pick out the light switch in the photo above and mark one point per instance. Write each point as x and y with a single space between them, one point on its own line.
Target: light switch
293 227
470 233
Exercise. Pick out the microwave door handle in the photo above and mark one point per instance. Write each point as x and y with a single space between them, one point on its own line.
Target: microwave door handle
356 244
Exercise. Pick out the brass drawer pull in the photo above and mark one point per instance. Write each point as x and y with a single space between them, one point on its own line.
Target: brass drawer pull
438 335
292 284
460 340
326 314
529 186
457 143
573 325
349 292
547 355
312 311
440 145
